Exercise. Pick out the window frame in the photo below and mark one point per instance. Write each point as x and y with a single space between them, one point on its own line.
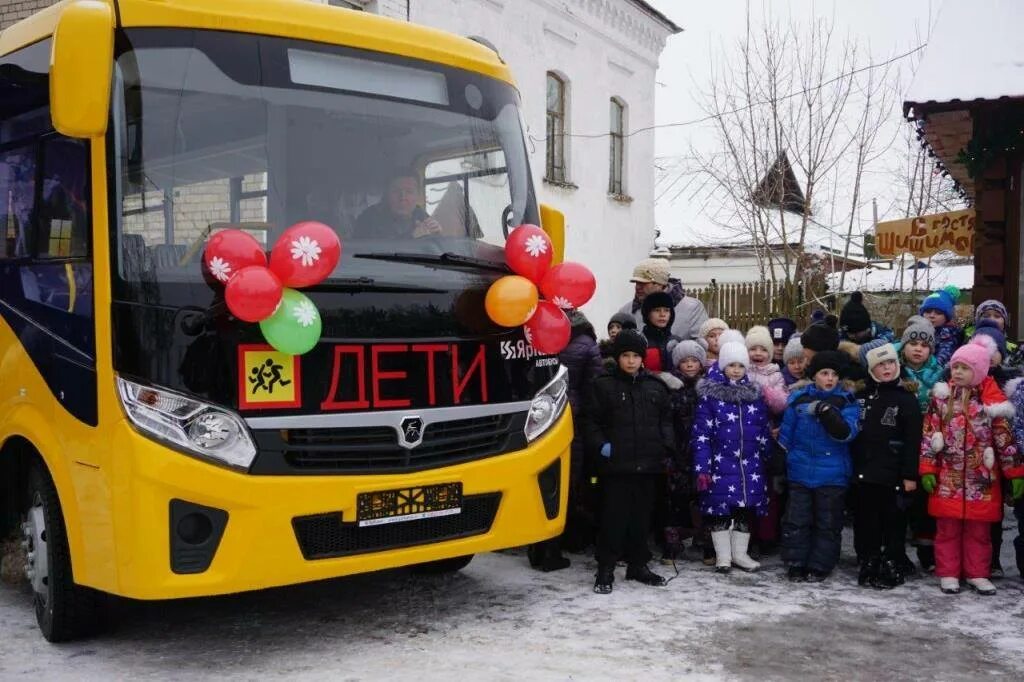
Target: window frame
617 147
555 145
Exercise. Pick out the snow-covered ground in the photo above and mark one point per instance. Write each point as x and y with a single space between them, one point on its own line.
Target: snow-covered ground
500 620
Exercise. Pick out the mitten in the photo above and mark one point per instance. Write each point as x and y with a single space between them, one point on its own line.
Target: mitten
606 450
1017 488
989 458
928 482
833 421
703 482
938 442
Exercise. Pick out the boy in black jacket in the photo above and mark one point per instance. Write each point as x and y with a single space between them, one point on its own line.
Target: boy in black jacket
885 456
628 429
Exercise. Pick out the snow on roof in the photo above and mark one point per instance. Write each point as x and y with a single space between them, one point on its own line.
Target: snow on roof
928 279
973 53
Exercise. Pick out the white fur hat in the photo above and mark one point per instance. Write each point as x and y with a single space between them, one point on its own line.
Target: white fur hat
731 352
731 335
709 324
760 336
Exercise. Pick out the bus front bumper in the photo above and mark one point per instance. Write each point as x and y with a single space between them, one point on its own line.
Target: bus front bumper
272 523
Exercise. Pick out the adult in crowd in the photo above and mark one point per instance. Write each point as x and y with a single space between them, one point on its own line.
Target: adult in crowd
653 275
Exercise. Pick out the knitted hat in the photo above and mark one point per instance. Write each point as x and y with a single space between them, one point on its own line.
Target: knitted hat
782 329
651 271
854 317
990 329
629 340
688 349
827 359
818 316
976 354
659 299
991 304
734 335
920 331
759 336
624 320
877 352
731 352
820 337
942 300
915 319
794 349
709 324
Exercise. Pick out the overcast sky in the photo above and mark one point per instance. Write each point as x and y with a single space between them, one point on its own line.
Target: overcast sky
882 27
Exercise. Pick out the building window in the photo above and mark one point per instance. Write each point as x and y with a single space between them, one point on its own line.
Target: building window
617 141
556 129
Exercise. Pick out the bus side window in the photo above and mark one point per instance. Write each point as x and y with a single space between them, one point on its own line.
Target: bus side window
17 190
62 230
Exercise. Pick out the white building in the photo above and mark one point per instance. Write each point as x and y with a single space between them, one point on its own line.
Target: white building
601 57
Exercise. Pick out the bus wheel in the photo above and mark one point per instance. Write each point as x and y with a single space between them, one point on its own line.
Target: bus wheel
443 566
64 610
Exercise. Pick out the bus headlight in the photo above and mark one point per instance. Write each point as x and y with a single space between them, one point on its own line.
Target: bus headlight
548 405
200 428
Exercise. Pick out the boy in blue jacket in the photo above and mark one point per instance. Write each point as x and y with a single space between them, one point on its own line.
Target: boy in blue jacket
820 421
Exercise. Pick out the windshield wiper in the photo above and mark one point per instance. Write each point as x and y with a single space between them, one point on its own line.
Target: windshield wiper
444 260
370 284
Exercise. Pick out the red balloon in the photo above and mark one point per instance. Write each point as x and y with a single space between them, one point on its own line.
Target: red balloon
229 251
568 285
305 254
528 252
548 329
253 293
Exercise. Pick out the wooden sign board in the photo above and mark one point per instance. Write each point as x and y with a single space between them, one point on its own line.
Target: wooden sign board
927 235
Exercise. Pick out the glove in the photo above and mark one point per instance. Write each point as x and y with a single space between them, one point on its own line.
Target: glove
704 482
988 458
606 450
1017 488
928 482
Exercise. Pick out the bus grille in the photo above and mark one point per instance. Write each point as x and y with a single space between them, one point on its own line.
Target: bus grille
324 536
375 449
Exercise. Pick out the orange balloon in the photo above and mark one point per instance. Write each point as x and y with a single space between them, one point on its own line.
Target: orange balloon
511 300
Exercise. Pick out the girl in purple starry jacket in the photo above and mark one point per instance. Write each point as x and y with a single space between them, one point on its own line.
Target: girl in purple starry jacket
731 434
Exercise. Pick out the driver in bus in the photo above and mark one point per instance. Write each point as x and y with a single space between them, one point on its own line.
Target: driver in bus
398 215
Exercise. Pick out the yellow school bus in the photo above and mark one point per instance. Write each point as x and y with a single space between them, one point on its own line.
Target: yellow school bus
155 447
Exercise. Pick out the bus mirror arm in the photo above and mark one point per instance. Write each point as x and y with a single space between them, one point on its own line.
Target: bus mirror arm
194 320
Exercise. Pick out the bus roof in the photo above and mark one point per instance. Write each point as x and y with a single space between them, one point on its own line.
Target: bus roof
298 19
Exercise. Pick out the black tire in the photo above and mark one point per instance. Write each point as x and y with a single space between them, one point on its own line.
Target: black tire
64 611
443 566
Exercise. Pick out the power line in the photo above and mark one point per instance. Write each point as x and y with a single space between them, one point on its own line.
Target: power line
710 117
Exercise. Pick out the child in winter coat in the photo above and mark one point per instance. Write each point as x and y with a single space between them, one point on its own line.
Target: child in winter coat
921 370
782 330
996 313
817 427
681 517
1015 390
710 331
763 371
659 315
731 435
937 308
856 326
616 324
628 430
795 362
964 454
885 455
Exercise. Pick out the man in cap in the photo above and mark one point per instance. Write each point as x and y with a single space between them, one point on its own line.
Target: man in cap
653 274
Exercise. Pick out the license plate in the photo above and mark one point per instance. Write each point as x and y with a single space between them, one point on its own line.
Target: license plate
408 504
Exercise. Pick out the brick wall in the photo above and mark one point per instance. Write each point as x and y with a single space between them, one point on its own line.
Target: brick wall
16 10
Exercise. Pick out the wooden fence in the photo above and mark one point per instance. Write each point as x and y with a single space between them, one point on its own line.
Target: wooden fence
744 305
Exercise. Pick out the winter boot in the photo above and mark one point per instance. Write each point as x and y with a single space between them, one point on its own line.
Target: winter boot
723 550
796 574
996 570
949 585
982 586
605 578
740 558
535 553
869 570
709 557
907 567
642 574
816 576
889 576
926 557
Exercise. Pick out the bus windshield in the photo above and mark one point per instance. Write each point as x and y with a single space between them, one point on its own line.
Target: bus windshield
215 130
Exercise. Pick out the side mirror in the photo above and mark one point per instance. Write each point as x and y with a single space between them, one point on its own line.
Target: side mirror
80 69
552 221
